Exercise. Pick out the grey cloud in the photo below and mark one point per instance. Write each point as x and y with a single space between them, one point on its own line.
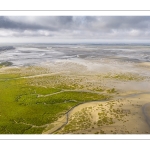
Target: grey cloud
77 22
127 22
76 27
9 24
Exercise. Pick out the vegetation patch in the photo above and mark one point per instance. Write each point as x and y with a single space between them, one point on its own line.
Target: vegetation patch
79 121
125 76
111 90
105 115
6 63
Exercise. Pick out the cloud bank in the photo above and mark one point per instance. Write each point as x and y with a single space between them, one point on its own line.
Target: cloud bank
74 28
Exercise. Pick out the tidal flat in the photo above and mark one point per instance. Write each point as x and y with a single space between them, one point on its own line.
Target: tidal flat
35 100
78 95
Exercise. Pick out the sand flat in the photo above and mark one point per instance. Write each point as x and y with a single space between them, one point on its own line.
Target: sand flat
131 122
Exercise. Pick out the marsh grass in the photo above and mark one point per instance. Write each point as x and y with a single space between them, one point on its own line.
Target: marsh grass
125 76
28 107
111 90
6 63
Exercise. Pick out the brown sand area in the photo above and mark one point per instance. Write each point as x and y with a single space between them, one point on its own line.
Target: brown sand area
119 116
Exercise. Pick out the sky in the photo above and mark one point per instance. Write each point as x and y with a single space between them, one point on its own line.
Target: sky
74 29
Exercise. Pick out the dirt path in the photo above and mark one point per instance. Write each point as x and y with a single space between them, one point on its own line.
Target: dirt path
95 92
42 75
33 76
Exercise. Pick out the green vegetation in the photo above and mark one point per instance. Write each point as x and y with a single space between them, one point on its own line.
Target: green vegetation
79 121
29 105
124 76
114 114
105 115
4 77
7 63
111 90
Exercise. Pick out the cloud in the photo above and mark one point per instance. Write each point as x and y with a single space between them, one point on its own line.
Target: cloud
20 24
76 27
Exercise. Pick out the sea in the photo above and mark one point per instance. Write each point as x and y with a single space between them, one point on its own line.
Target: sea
123 57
